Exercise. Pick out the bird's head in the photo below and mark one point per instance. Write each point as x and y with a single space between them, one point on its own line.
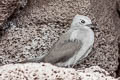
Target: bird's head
80 21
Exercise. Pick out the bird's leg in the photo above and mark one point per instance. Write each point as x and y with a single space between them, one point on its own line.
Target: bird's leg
69 66
63 65
60 64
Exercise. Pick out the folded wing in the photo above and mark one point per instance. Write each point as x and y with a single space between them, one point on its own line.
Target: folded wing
63 49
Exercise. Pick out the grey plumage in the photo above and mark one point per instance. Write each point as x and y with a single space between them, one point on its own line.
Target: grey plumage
63 49
72 46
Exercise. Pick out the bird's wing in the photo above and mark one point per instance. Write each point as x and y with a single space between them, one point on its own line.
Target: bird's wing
63 49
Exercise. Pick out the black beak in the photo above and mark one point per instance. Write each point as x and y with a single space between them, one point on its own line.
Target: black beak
92 26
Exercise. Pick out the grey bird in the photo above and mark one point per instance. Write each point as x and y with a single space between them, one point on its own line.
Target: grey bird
72 46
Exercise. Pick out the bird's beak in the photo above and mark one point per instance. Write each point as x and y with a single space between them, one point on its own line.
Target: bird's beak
92 26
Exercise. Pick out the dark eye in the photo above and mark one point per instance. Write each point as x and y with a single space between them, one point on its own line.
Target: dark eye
82 21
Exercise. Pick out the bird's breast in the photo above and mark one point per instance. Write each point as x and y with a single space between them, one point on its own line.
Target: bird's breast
84 35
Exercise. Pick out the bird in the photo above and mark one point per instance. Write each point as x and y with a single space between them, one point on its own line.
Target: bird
72 46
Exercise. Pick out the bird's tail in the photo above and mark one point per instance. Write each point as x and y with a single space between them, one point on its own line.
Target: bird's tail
37 59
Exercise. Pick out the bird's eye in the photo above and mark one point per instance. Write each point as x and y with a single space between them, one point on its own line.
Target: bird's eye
82 21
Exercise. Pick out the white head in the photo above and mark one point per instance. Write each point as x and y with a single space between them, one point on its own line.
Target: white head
80 21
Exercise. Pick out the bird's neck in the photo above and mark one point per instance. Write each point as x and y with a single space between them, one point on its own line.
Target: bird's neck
79 28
